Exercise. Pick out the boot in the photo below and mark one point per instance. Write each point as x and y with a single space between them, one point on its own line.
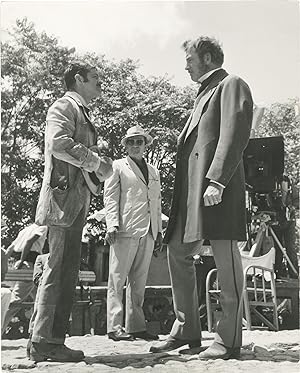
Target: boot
44 351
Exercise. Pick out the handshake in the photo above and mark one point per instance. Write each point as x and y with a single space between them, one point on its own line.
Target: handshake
104 170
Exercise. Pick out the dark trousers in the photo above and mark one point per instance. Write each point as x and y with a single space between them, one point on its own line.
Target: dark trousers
184 287
57 288
203 266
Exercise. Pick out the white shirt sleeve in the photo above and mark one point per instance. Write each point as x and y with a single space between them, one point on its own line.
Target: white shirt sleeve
216 182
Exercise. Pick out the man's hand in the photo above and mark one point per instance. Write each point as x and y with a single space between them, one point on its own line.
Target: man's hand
213 194
158 243
105 169
95 149
100 148
111 235
19 264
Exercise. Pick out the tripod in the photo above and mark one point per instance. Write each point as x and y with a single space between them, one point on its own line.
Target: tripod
265 228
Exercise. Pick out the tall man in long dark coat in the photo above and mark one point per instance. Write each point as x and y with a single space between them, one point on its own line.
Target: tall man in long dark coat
209 199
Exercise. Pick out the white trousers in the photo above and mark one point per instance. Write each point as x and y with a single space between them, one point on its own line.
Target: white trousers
19 293
5 300
129 259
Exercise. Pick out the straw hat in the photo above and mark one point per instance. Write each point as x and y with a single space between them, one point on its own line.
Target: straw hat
137 131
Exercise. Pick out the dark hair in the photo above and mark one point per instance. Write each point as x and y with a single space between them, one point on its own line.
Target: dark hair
76 68
205 44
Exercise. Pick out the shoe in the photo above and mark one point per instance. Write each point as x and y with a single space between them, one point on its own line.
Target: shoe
145 335
120 335
218 351
44 351
173 343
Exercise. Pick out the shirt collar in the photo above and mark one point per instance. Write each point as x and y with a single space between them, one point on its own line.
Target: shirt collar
78 97
207 75
142 160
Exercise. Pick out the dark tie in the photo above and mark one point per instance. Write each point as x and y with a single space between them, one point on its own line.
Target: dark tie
87 111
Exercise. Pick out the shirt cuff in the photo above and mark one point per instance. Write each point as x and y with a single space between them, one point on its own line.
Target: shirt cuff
215 182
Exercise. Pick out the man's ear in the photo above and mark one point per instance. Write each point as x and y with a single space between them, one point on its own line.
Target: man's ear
207 58
78 78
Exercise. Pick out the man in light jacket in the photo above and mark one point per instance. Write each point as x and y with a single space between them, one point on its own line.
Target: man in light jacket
132 199
73 169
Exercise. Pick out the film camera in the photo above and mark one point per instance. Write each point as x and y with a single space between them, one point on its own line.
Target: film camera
264 167
264 163
268 191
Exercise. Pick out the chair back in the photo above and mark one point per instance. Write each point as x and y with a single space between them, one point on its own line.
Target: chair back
267 260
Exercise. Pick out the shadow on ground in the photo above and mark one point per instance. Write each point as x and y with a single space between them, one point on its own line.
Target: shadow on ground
134 360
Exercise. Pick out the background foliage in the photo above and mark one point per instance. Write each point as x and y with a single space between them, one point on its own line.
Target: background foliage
31 80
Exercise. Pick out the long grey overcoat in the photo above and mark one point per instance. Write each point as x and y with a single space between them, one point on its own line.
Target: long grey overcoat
219 127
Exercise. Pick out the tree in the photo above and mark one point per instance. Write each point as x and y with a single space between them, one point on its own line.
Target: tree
281 120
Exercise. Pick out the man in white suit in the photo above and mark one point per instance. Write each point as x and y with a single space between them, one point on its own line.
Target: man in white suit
132 201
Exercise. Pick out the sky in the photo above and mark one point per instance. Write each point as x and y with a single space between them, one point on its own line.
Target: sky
260 38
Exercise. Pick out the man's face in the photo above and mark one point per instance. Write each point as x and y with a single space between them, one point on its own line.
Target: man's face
195 66
135 146
92 86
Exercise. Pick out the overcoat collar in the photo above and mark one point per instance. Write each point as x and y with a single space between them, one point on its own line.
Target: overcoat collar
136 170
201 100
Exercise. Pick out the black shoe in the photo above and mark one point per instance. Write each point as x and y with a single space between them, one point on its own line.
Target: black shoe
145 335
120 335
218 351
173 343
44 351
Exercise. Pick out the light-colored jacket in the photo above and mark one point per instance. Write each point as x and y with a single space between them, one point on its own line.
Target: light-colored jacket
130 203
68 136
38 268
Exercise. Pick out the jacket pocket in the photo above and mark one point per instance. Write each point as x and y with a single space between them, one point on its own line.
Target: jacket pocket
64 206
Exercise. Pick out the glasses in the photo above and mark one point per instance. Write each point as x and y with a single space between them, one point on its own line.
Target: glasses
132 142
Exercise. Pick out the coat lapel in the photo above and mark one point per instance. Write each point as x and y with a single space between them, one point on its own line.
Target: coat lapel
198 109
181 137
135 169
78 102
200 102
151 172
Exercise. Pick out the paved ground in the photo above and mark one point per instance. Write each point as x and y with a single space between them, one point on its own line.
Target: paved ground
262 351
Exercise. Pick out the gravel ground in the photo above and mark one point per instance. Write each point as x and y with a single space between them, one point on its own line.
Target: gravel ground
262 351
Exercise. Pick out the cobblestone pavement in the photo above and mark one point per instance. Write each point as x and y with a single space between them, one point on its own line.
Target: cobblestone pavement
262 351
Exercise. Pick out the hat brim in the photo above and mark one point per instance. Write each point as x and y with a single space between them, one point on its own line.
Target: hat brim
148 139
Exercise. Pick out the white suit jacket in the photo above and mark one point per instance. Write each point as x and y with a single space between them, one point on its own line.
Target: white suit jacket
130 203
